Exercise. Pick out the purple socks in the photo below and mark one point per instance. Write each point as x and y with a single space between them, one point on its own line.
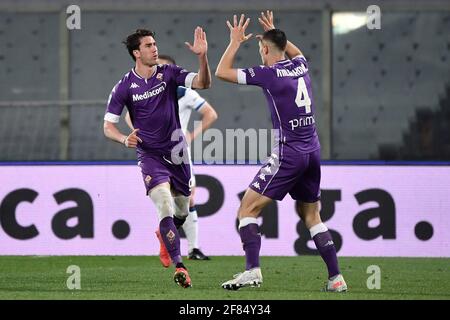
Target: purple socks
171 238
324 243
251 241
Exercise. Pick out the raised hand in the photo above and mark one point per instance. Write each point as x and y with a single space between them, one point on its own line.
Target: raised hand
200 46
237 30
266 20
132 139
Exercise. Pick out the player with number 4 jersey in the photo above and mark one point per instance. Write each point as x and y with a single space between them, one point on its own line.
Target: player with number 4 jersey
294 165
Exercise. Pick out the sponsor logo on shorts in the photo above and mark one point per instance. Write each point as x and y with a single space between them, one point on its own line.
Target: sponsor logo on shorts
256 185
267 169
170 236
148 179
262 176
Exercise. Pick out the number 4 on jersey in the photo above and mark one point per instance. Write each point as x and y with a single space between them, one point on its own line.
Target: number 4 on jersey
302 99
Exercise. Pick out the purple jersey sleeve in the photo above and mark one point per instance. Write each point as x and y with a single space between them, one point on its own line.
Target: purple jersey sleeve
258 76
182 76
300 59
116 102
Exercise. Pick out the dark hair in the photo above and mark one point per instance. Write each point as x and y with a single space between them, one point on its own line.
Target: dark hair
168 58
277 37
133 41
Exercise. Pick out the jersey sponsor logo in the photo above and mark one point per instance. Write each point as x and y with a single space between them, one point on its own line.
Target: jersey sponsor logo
134 85
296 72
150 93
302 122
252 72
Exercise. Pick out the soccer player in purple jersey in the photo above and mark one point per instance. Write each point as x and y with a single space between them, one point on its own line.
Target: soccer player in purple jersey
149 91
188 100
294 165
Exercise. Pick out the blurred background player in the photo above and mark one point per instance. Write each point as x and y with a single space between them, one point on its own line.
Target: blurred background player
188 100
149 92
294 165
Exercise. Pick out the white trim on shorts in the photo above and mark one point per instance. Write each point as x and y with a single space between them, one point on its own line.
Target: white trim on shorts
281 147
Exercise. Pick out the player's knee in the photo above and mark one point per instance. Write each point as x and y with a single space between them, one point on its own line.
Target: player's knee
181 207
249 210
163 201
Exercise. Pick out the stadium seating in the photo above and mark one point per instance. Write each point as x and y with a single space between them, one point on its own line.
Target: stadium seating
382 77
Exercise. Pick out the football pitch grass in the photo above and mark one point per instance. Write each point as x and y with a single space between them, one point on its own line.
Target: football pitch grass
285 278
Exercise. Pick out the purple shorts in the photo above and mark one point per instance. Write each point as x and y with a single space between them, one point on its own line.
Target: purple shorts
292 172
157 169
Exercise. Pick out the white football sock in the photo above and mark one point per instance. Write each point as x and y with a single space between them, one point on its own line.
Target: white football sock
190 228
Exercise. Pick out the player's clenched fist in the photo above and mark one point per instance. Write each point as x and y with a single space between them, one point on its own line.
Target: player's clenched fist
132 139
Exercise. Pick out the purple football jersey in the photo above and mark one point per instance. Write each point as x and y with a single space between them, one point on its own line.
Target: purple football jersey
153 106
287 87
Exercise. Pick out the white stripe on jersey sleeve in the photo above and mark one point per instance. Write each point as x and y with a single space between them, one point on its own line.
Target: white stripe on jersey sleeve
189 78
200 105
111 117
241 76
299 57
193 99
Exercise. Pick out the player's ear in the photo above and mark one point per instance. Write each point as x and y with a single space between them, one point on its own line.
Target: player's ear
136 53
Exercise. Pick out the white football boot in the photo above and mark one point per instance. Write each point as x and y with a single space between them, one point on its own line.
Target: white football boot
248 278
336 284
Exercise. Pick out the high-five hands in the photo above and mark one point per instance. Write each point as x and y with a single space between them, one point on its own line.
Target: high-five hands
266 20
237 30
200 46
132 139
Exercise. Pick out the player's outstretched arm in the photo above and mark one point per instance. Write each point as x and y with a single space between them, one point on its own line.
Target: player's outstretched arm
110 130
225 70
200 48
266 21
